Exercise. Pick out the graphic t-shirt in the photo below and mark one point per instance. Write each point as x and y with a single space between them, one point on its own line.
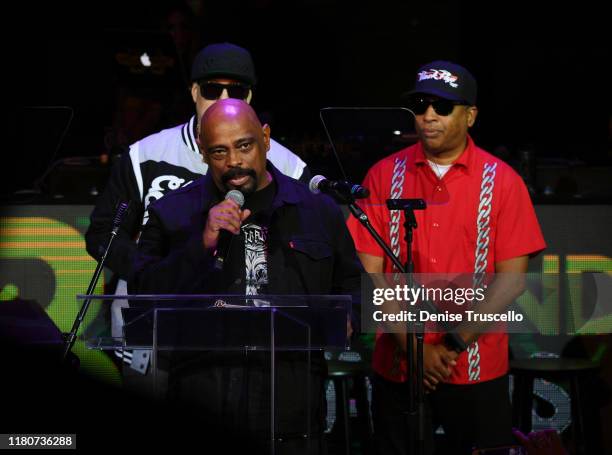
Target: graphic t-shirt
248 262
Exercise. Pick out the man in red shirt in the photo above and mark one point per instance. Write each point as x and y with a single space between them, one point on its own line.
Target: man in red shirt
479 219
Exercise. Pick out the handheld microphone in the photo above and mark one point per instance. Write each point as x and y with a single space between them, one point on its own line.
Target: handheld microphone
226 237
319 184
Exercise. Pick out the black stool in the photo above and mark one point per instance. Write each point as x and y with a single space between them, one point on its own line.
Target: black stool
573 370
341 373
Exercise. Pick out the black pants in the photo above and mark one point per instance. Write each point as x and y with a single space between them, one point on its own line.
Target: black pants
475 415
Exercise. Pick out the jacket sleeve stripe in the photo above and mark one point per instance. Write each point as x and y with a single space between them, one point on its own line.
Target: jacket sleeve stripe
136 167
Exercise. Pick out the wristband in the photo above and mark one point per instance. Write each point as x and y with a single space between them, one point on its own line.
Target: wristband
455 342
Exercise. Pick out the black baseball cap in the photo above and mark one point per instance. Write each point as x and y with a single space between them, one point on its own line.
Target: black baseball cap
224 60
446 80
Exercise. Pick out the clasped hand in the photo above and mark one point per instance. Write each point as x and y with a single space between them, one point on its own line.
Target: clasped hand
438 362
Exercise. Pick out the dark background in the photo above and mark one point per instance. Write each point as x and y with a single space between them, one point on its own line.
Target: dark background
542 68
543 74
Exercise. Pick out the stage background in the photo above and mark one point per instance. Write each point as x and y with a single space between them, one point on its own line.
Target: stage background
43 258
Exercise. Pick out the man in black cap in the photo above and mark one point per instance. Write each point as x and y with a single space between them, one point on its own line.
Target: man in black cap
168 160
479 219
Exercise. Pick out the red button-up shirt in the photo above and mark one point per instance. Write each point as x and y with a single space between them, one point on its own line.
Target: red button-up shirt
445 239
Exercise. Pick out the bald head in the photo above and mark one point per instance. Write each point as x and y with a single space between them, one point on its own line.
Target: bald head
234 145
229 109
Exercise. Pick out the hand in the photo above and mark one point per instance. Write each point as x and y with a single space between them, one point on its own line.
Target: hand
225 215
544 442
438 362
430 385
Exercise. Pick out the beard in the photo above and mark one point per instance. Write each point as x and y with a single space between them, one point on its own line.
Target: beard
247 187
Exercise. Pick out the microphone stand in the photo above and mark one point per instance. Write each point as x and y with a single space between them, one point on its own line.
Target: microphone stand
416 408
70 338
365 221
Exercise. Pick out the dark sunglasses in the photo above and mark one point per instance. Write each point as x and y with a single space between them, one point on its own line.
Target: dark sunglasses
213 90
442 106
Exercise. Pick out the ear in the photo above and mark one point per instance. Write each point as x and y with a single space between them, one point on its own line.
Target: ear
266 131
195 91
472 113
201 149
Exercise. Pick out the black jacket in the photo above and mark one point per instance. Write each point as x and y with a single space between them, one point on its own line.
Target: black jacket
312 251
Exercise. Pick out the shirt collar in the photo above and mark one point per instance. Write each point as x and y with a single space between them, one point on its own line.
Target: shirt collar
287 187
465 160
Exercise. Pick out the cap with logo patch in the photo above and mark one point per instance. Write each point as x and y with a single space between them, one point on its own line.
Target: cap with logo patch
446 80
224 60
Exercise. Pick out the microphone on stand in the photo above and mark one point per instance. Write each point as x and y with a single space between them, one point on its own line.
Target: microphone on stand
226 237
120 214
319 184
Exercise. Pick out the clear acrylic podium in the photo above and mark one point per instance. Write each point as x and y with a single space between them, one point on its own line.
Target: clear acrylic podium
233 323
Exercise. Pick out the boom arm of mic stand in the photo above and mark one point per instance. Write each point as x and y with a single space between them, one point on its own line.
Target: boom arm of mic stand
70 338
364 220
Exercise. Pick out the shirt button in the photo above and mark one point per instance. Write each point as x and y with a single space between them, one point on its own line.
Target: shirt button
438 188
436 225
433 260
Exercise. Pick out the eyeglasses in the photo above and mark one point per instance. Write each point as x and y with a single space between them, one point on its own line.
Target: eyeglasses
213 90
442 106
